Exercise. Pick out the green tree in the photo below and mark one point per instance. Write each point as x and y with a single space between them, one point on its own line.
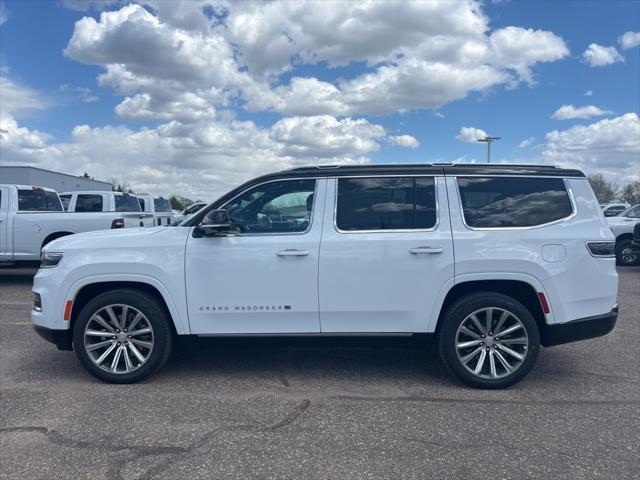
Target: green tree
179 203
605 191
630 193
118 186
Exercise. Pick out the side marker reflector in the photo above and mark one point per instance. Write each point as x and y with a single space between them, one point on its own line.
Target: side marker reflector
544 303
67 310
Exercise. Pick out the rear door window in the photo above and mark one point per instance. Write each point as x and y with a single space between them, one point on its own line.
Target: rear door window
38 200
386 203
503 202
88 203
127 203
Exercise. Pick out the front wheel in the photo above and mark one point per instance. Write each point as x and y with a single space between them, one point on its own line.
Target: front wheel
625 255
122 336
489 340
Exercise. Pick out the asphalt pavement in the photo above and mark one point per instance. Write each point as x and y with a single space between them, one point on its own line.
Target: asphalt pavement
334 409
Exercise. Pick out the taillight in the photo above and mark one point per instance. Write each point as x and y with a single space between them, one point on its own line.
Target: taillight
602 249
118 223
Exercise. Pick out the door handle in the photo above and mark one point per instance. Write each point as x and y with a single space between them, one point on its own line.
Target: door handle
419 250
292 252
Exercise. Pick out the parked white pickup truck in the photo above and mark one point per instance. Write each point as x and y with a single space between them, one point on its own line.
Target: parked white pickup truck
31 217
622 227
160 207
124 204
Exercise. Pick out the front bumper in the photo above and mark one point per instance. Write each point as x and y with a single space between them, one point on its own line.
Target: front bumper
60 338
581 329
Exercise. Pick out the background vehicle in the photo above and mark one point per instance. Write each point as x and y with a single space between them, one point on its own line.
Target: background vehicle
160 207
187 212
613 209
492 260
31 217
622 227
635 243
124 204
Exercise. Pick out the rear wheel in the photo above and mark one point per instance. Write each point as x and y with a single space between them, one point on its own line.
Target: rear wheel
625 255
122 336
489 340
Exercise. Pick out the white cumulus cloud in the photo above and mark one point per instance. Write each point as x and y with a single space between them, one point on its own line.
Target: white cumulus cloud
569 112
406 141
629 40
598 56
609 146
471 134
527 142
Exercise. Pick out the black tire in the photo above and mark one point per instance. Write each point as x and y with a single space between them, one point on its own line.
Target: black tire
628 258
157 318
456 315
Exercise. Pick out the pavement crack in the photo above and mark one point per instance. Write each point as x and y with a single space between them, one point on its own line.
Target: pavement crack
283 380
287 420
480 401
292 416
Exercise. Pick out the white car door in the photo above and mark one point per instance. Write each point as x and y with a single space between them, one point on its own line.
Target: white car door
386 254
265 278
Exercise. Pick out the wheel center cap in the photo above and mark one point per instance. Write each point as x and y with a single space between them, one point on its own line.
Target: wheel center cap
488 341
122 337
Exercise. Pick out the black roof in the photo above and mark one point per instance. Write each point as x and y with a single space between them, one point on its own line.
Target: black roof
403 169
431 168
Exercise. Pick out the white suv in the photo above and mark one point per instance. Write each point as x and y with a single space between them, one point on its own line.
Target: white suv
493 261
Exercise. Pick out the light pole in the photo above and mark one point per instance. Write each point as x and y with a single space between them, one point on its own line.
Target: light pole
488 139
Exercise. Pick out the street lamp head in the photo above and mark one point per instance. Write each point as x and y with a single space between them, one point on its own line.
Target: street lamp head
488 139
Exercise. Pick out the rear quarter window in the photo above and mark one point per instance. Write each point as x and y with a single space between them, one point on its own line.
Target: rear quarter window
504 202
38 201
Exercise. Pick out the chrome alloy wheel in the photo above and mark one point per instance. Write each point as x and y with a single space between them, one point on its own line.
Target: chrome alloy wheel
491 343
118 338
628 256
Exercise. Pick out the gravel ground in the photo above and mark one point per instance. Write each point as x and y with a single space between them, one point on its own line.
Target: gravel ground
353 408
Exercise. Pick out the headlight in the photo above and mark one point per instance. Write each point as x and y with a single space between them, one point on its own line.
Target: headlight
50 259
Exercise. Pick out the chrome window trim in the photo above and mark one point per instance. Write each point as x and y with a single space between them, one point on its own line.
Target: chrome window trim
436 184
574 210
315 198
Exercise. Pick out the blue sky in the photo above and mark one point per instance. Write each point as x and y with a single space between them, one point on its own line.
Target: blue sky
401 85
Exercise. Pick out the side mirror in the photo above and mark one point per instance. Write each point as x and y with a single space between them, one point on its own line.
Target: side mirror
216 222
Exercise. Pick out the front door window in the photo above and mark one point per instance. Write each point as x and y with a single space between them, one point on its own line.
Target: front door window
274 207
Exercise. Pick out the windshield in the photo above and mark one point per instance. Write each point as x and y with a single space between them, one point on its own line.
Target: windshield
38 200
161 204
633 212
127 203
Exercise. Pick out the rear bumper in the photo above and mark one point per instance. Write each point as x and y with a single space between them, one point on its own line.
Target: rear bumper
60 338
581 329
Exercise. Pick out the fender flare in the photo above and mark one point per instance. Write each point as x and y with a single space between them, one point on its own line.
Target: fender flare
478 277
181 325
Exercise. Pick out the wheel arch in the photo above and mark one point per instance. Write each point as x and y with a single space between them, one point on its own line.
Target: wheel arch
520 290
624 236
53 236
88 289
